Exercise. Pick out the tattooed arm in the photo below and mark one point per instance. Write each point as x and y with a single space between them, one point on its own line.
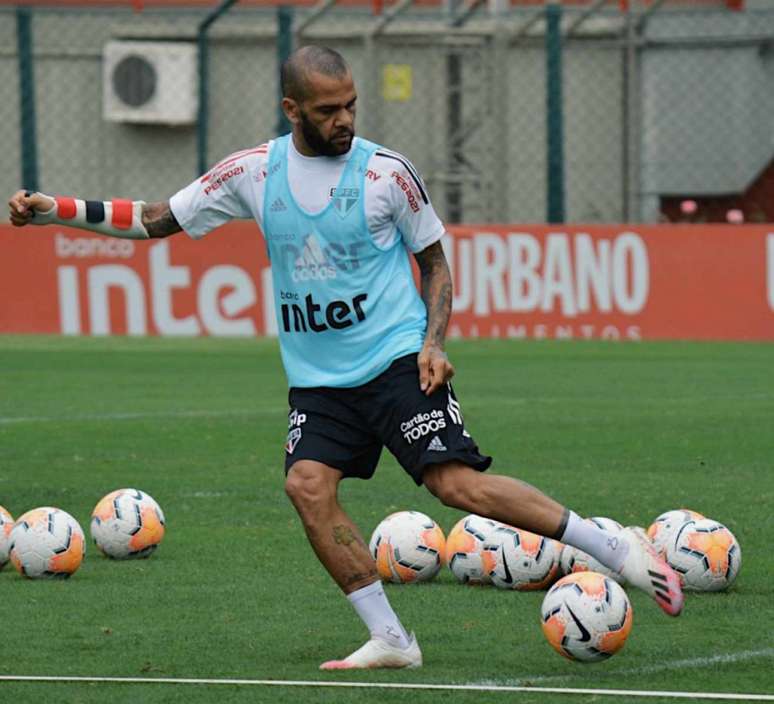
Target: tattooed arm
434 366
159 220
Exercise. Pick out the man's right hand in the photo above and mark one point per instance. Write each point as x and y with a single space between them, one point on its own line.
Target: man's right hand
23 206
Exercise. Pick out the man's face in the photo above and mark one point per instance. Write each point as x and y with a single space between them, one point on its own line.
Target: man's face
325 119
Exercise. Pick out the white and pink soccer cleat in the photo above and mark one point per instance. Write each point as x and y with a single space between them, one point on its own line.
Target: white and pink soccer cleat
645 569
378 653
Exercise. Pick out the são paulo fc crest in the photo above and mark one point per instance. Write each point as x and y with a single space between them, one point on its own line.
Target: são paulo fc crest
295 421
344 199
293 437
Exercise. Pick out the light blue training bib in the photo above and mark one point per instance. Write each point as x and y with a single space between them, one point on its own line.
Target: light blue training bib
345 308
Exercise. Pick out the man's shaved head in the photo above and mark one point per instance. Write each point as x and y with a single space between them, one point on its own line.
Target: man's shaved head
319 99
309 59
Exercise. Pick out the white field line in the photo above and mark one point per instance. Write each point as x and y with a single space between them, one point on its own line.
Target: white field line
140 415
687 664
728 696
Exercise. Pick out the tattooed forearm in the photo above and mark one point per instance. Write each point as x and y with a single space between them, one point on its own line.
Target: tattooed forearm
436 292
159 220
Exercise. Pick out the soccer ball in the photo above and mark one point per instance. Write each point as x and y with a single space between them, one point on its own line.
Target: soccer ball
408 546
46 543
706 555
465 553
573 560
6 526
586 617
664 528
522 560
127 524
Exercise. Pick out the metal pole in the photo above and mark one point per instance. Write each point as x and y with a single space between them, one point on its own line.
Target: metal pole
204 84
499 97
555 210
454 107
29 147
632 117
284 49
453 134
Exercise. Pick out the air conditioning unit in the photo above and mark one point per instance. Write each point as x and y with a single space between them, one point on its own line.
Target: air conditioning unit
150 82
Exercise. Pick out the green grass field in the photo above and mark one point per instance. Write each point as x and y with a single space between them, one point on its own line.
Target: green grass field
624 430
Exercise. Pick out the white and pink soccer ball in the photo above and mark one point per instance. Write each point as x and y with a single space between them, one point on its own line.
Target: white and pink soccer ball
408 546
664 527
518 559
586 617
6 526
127 524
705 554
465 554
46 543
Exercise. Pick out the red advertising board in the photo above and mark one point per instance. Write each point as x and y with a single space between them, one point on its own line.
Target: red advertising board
711 282
622 282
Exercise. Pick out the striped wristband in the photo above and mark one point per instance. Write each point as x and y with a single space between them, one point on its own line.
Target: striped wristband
117 217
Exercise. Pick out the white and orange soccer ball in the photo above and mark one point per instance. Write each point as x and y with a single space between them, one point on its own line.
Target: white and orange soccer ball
573 560
46 543
6 526
127 524
408 546
518 559
465 553
664 528
706 555
586 617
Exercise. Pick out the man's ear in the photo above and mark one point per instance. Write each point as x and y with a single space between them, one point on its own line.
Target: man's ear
291 110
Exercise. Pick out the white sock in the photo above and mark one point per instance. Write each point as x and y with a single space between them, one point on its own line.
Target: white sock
373 608
601 544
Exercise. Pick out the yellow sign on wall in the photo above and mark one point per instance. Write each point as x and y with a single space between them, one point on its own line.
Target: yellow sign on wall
397 82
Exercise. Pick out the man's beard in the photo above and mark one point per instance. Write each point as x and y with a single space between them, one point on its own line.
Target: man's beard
324 147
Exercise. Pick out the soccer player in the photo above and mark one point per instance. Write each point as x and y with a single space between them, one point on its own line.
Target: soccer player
362 348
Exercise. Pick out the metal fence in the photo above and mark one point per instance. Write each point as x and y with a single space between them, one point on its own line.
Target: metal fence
523 114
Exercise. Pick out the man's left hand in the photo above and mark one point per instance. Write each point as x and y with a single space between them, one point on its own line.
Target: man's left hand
435 369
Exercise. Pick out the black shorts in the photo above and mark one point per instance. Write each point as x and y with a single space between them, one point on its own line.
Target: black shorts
346 428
